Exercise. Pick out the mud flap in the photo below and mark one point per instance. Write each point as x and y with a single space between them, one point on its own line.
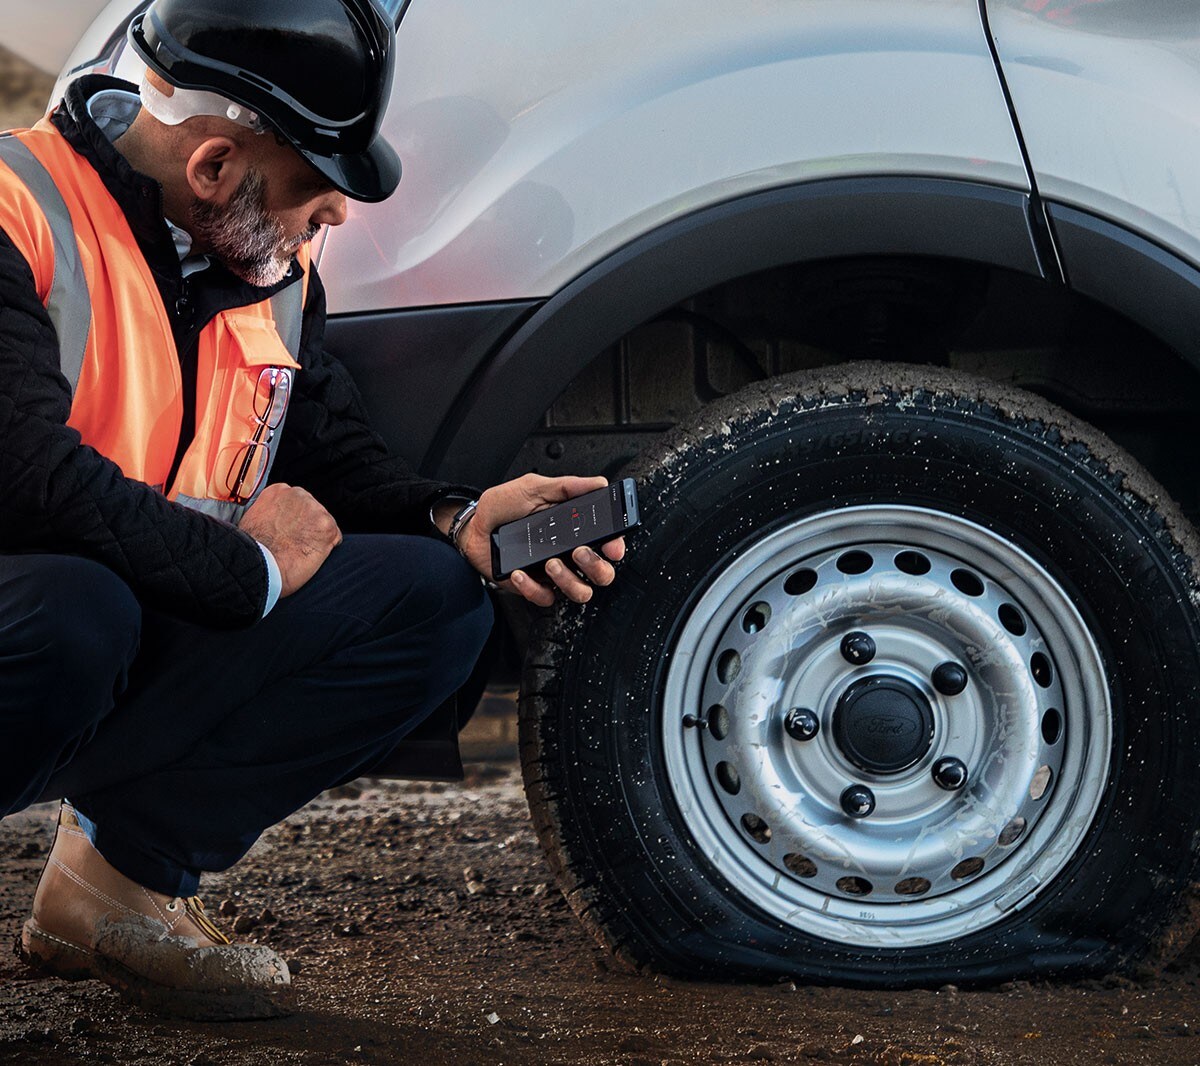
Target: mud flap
429 752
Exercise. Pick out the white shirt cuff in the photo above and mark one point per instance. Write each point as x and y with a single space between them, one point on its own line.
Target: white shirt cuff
274 579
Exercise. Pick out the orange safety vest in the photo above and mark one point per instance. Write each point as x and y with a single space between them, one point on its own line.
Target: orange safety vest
116 346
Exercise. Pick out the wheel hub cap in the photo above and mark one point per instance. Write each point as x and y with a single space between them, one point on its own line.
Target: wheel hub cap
883 724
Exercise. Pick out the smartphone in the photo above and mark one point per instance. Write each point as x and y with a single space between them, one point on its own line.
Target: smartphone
558 530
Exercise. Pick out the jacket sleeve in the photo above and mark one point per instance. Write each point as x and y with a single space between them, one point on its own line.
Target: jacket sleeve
329 447
59 495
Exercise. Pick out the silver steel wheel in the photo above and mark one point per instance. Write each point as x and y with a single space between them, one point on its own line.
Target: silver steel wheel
886 726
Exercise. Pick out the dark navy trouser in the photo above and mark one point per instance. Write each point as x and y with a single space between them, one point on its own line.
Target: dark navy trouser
182 744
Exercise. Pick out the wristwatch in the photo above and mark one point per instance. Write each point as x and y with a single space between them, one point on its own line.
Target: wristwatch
459 522
461 517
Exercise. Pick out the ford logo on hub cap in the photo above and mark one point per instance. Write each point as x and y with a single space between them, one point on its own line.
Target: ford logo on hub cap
883 724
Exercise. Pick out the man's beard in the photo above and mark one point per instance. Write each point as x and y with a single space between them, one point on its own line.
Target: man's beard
243 235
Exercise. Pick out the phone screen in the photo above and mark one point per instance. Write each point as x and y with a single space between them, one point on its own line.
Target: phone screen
558 530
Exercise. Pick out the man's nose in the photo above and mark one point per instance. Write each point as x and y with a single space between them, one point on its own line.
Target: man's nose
331 211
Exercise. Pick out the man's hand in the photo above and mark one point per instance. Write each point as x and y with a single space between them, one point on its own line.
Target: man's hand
296 529
516 499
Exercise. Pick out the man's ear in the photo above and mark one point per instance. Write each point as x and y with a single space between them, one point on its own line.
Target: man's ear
215 169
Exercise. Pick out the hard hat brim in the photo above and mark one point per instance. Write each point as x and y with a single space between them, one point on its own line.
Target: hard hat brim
368 176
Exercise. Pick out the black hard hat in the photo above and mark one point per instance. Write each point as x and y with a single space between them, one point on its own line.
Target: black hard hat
319 71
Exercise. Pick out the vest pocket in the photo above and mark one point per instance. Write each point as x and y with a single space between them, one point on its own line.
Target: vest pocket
249 381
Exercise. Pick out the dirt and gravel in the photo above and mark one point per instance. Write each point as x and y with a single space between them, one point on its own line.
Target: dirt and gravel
424 928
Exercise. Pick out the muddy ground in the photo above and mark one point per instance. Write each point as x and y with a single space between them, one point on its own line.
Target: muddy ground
425 930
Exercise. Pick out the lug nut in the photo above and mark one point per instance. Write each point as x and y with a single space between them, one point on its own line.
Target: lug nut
950 774
858 649
858 801
801 723
949 679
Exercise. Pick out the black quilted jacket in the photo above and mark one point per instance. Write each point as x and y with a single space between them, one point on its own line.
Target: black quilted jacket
57 495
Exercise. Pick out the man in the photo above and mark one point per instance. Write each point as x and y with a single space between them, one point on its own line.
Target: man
209 613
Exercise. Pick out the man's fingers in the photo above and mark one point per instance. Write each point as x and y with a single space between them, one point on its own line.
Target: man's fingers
569 583
295 528
538 489
534 591
614 549
597 570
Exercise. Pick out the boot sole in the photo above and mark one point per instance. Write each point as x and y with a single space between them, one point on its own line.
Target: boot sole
55 957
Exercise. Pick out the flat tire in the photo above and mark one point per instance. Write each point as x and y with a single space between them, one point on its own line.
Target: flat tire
896 687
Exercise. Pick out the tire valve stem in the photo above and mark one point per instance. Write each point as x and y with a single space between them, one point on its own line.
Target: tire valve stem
692 721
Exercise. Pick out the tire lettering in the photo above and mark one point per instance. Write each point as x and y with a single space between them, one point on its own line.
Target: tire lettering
861 438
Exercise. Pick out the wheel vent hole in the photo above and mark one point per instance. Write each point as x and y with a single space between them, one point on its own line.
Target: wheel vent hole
729 665
756 618
1039 666
799 865
718 722
800 582
912 886
1041 782
966 582
855 563
1012 832
756 828
854 886
967 868
1012 619
1051 726
912 563
728 778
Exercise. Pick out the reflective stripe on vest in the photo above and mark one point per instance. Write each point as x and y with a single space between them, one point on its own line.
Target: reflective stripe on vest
69 304
287 306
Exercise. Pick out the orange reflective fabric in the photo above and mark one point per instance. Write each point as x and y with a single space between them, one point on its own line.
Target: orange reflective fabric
233 352
128 404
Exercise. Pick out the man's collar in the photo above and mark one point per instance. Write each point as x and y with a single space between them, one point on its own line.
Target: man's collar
139 195
113 111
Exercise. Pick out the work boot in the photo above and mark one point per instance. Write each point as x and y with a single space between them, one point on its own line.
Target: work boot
159 952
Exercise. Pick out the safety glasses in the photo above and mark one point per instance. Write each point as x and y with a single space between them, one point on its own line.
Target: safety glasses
253 459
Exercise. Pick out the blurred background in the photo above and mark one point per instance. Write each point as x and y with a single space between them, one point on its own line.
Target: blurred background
38 36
